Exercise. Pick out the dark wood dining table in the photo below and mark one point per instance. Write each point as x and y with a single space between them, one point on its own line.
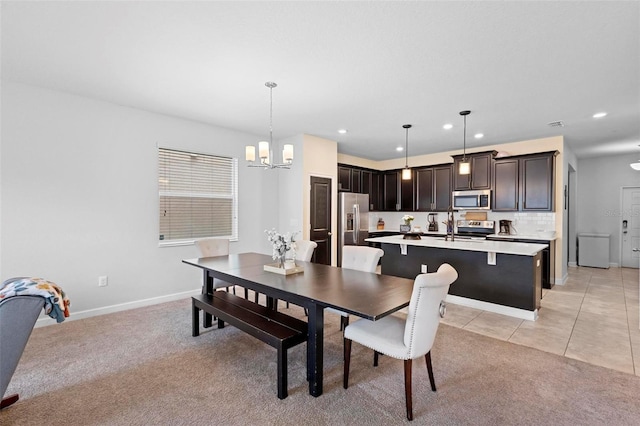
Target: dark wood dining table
363 294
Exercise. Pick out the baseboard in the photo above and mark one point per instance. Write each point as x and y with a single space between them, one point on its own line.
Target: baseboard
46 320
573 264
492 307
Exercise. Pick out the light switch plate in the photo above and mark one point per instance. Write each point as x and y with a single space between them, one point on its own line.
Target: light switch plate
491 258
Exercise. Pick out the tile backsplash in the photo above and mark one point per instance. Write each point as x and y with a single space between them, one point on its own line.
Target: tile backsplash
523 222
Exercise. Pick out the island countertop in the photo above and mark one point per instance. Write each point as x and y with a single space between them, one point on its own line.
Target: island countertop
504 247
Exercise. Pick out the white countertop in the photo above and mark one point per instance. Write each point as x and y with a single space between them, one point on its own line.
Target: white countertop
504 247
533 236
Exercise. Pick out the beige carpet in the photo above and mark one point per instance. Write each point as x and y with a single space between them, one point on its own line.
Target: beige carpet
142 367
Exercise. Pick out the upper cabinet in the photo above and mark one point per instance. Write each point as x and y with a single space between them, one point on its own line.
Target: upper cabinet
518 183
362 181
344 178
481 168
433 188
524 183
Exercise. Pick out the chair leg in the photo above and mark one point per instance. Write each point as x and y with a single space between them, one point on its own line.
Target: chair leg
7 401
376 355
344 322
407 388
430 370
347 359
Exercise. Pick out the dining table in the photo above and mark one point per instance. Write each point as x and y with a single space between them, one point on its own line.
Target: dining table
366 295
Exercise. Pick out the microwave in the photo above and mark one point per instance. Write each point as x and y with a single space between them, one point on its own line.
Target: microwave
471 200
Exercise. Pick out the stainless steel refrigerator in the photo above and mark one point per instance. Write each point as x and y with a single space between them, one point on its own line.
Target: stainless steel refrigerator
353 221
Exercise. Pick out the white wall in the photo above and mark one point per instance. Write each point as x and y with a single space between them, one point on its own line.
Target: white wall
80 196
599 182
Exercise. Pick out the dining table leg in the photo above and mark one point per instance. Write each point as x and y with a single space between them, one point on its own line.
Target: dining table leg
315 347
207 289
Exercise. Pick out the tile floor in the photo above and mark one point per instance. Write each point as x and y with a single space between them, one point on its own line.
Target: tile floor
594 317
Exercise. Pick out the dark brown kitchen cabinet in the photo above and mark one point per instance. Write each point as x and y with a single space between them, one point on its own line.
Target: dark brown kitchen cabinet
524 183
344 179
356 180
391 191
536 174
506 192
406 193
433 188
398 194
376 192
480 176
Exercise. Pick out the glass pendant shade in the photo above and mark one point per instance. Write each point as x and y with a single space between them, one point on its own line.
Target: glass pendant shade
406 174
464 168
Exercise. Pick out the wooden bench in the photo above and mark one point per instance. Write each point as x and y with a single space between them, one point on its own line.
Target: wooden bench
273 328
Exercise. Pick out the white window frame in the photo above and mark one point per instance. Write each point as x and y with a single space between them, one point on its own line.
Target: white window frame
190 192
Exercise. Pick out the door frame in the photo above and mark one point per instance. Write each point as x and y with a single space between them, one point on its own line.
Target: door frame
622 215
332 212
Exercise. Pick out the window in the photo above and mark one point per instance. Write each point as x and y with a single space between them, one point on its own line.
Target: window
198 196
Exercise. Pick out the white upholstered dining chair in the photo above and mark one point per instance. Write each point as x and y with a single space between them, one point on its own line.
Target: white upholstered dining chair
360 258
305 249
304 253
210 247
406 338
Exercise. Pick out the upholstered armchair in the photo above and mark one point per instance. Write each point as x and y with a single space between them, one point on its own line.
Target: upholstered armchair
406 338
18 315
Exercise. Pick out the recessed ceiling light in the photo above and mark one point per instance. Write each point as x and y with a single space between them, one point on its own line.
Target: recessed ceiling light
399 149
342 131
478 136
599 114
448 126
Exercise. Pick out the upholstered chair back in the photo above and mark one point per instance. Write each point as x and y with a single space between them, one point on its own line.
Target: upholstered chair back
361 258
304 250
210 247
429 290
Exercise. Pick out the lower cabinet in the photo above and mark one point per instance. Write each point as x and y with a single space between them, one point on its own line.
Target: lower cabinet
548 258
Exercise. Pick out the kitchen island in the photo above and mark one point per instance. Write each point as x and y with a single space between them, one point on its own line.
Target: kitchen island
497 276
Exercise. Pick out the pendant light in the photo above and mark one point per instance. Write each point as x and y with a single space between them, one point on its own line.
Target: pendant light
464 168
264 147
406 172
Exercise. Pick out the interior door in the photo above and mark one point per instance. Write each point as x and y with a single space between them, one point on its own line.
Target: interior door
320 217
630 227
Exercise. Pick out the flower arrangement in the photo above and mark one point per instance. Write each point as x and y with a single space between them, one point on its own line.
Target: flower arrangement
281 245
407 219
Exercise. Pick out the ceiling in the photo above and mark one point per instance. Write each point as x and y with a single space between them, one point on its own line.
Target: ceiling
368 67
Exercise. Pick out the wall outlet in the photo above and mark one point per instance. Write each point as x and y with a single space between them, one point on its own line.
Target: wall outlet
103 281
423 269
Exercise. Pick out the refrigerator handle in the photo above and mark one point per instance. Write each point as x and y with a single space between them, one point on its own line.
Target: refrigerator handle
356 224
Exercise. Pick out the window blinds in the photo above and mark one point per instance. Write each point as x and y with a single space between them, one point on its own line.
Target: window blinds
198 195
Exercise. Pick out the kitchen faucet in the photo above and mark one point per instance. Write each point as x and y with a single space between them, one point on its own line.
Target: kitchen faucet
449 223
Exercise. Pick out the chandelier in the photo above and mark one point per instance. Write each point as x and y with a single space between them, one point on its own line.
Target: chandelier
264 148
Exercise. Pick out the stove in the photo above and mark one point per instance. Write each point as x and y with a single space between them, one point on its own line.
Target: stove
475 228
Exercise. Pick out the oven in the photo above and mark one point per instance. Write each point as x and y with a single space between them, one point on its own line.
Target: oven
475 228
